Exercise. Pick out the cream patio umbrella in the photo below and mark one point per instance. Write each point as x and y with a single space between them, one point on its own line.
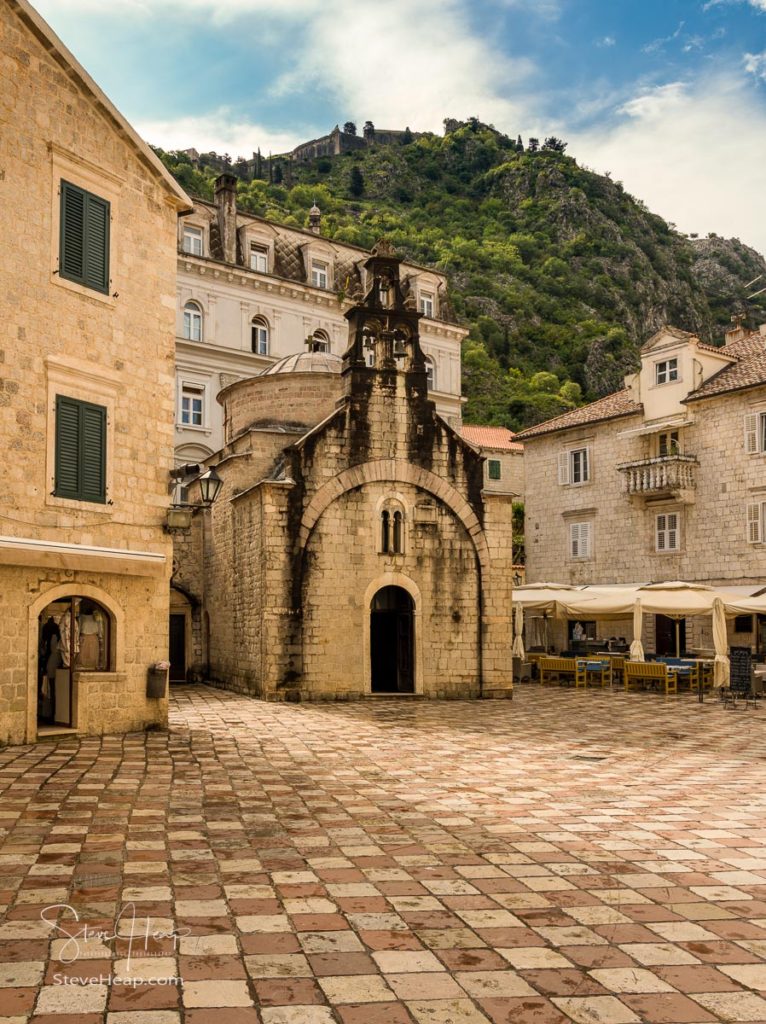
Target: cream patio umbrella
518 632
636 647
721 668
543 598
603 603
677 599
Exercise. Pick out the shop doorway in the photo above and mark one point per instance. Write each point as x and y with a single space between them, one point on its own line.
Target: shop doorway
74 636
177 653
392 641
666 642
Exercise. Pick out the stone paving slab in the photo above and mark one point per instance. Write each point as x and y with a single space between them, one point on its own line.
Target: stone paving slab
591 857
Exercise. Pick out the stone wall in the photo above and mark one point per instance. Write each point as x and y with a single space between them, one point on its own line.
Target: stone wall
112 349
440 564
303 398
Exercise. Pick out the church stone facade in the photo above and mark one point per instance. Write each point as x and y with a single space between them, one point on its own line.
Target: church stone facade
353 548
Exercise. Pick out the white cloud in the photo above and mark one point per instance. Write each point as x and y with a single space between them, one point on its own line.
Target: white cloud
375 58
694 154
606 41
219 130
755 63
759 5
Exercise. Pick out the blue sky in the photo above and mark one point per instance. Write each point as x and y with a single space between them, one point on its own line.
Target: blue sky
669 97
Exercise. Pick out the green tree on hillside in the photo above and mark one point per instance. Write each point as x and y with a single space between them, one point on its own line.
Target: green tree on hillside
356 181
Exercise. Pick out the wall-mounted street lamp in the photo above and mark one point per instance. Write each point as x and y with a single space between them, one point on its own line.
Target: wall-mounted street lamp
210 483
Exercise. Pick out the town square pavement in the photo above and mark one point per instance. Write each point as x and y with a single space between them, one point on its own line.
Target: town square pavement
593 857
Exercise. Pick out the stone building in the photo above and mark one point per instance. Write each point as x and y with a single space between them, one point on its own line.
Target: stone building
504 458
87 267
338 141
354 548
251 291
663 480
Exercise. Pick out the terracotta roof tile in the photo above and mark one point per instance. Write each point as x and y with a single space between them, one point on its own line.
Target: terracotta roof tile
491 437
748 371
610 407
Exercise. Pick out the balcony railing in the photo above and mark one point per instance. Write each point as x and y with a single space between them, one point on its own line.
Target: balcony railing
662 474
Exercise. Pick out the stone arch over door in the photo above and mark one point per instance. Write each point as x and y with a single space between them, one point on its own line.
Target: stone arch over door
34 611
393 470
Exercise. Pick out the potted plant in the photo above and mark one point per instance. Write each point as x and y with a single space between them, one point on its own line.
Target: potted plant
157 679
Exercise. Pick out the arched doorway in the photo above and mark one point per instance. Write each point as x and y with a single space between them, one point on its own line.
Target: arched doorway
74 636
392 641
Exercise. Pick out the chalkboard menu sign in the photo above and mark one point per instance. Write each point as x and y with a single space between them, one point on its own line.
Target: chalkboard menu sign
741 669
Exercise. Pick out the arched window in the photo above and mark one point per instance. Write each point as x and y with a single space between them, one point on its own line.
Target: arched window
430 373
74 635
385 531
192 322
260 336
398 538
320 341
392 529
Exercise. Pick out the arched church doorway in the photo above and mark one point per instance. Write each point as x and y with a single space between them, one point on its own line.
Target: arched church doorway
74 636
392 641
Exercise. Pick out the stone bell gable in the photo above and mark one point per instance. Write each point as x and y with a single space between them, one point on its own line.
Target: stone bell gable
372 519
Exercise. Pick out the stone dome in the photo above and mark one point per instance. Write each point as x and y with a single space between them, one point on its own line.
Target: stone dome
306 362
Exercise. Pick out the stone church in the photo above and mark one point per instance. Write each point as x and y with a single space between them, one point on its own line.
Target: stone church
352 549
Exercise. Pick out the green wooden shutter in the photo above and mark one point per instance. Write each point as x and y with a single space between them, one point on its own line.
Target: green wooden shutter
72 241
93 452
80 450
67 447
97 243
84 241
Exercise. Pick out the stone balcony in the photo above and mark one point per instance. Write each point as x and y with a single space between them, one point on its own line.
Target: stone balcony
666 474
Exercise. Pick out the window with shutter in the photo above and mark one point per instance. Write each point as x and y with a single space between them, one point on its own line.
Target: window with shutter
494 469
751 433
755 522
668 531
563 467
84 238
80 466
580 540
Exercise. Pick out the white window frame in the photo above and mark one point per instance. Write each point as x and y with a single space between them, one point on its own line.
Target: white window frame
430 372
320 274
755 433
667 371
755 522
259 258
671 441
321 337
193 321
191 395
667 532
193 240
581 540
260 336
427 305
570 466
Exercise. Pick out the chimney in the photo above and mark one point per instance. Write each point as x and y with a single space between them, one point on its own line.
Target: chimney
226 201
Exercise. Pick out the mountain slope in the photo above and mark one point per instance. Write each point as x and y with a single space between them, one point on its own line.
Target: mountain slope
558 272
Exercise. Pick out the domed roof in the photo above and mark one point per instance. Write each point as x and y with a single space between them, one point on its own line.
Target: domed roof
306 362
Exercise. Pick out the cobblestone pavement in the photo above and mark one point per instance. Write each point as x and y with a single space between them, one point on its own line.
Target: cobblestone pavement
587 857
